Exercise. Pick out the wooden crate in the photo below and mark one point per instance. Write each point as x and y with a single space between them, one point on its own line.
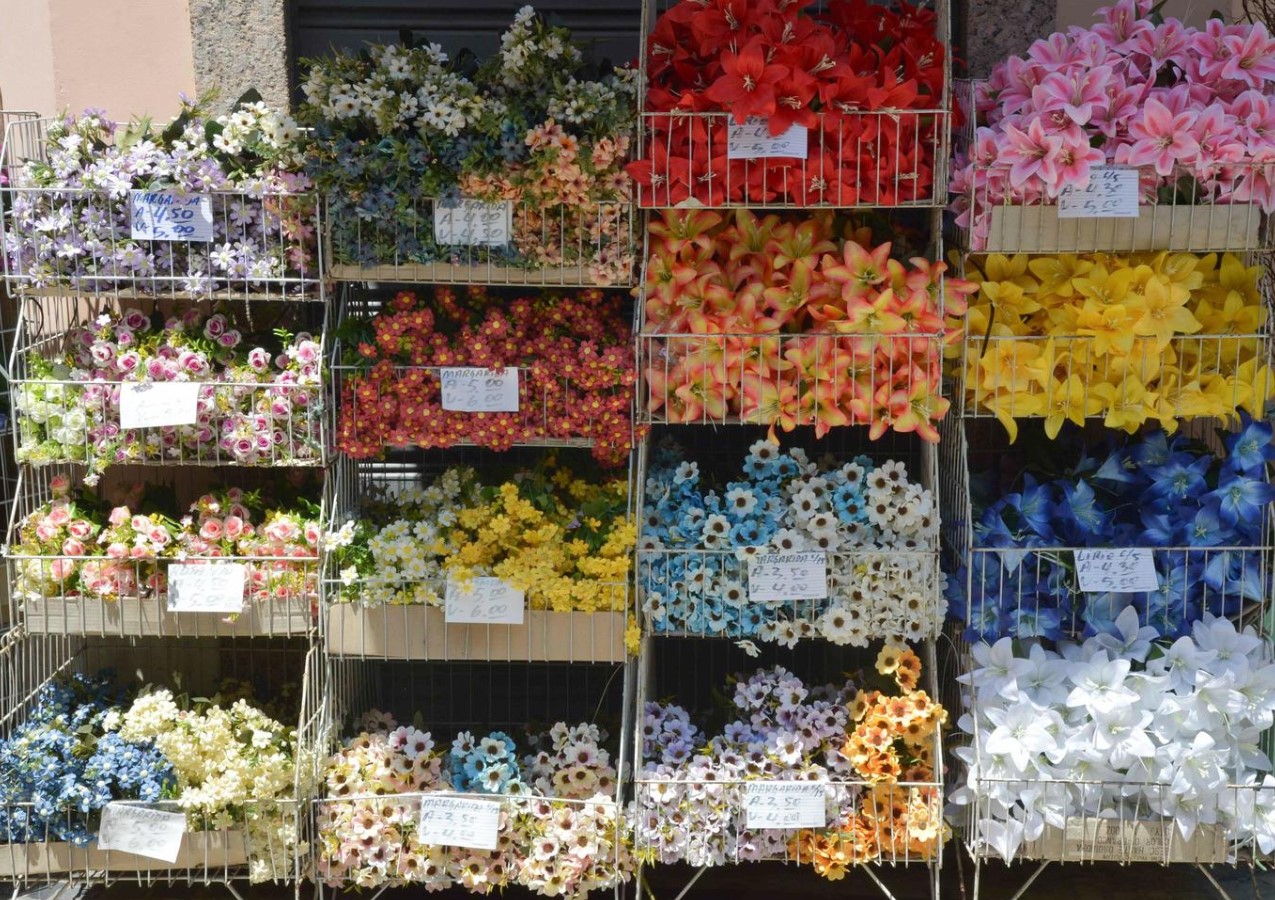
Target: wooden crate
1038 229
1127 841
201 852
131 617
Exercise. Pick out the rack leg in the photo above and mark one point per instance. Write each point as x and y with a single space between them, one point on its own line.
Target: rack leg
1028 883
690 884
1222 892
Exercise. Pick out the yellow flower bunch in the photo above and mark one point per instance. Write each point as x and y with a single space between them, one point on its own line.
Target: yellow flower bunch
1163 336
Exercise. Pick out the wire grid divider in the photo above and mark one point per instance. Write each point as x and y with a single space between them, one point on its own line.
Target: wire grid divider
61 240
1179 211
108 597
508 243
62 420
718 586
446 698
251 839
414 625
551 409
855 158
841 794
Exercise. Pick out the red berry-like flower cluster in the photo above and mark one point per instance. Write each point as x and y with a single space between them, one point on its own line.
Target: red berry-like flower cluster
574 354
867 80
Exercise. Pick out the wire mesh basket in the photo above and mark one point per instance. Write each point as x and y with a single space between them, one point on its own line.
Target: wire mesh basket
127 591
59 238
405 614
249 841
69 412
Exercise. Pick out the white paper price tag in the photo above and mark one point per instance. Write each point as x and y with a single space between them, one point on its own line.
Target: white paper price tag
753 140
142 830
776 577
169 216
784 804
1112 193
479 390
460 822
1121 570
485 601
154 404
473 223
213 587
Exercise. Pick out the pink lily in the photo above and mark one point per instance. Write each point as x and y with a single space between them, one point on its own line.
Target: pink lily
1161 139
1031 153
1077 94
1251 56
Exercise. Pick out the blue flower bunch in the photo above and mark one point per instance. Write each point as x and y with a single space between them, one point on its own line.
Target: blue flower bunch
1202 515
878 530
65 762
488 765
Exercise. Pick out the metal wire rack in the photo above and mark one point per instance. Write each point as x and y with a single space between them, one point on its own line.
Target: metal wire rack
109 597
60 239
1186 210
275 421
413 623
253 840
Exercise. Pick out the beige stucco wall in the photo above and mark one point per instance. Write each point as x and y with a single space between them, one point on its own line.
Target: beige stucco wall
129 57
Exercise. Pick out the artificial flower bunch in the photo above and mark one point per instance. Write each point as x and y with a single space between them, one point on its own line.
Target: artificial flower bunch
70 217
78 547
878 529
560 831
1122 726
400 127
1205 517
793 321
1190 106
564 540
690 797
1138 338
260 402
865 80
573 352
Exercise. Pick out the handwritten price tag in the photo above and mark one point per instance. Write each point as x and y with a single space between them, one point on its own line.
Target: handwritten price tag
486 601
156 404
460 822
479 390
753 140
473 222
169 216
215 587
776 577
784 804
1124 570
1112 193
142 830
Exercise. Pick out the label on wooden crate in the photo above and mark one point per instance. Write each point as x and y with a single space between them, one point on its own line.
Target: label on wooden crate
484 601
473 223
460 822
776 577
214 587
753 140
1113 840
155 404
170 216
1121 570
1112 193
142 830
784 804
479 390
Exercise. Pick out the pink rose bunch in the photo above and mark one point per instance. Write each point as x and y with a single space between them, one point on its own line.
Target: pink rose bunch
1191 107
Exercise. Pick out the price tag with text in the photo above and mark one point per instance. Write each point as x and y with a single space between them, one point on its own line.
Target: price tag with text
473 223
460 822
171 216
1121 570
155 404
753 140
484 601
784 804
479 390
142 830
213 587
776 577
1112 193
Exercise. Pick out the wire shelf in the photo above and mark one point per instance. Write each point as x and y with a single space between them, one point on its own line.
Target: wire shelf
61 239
